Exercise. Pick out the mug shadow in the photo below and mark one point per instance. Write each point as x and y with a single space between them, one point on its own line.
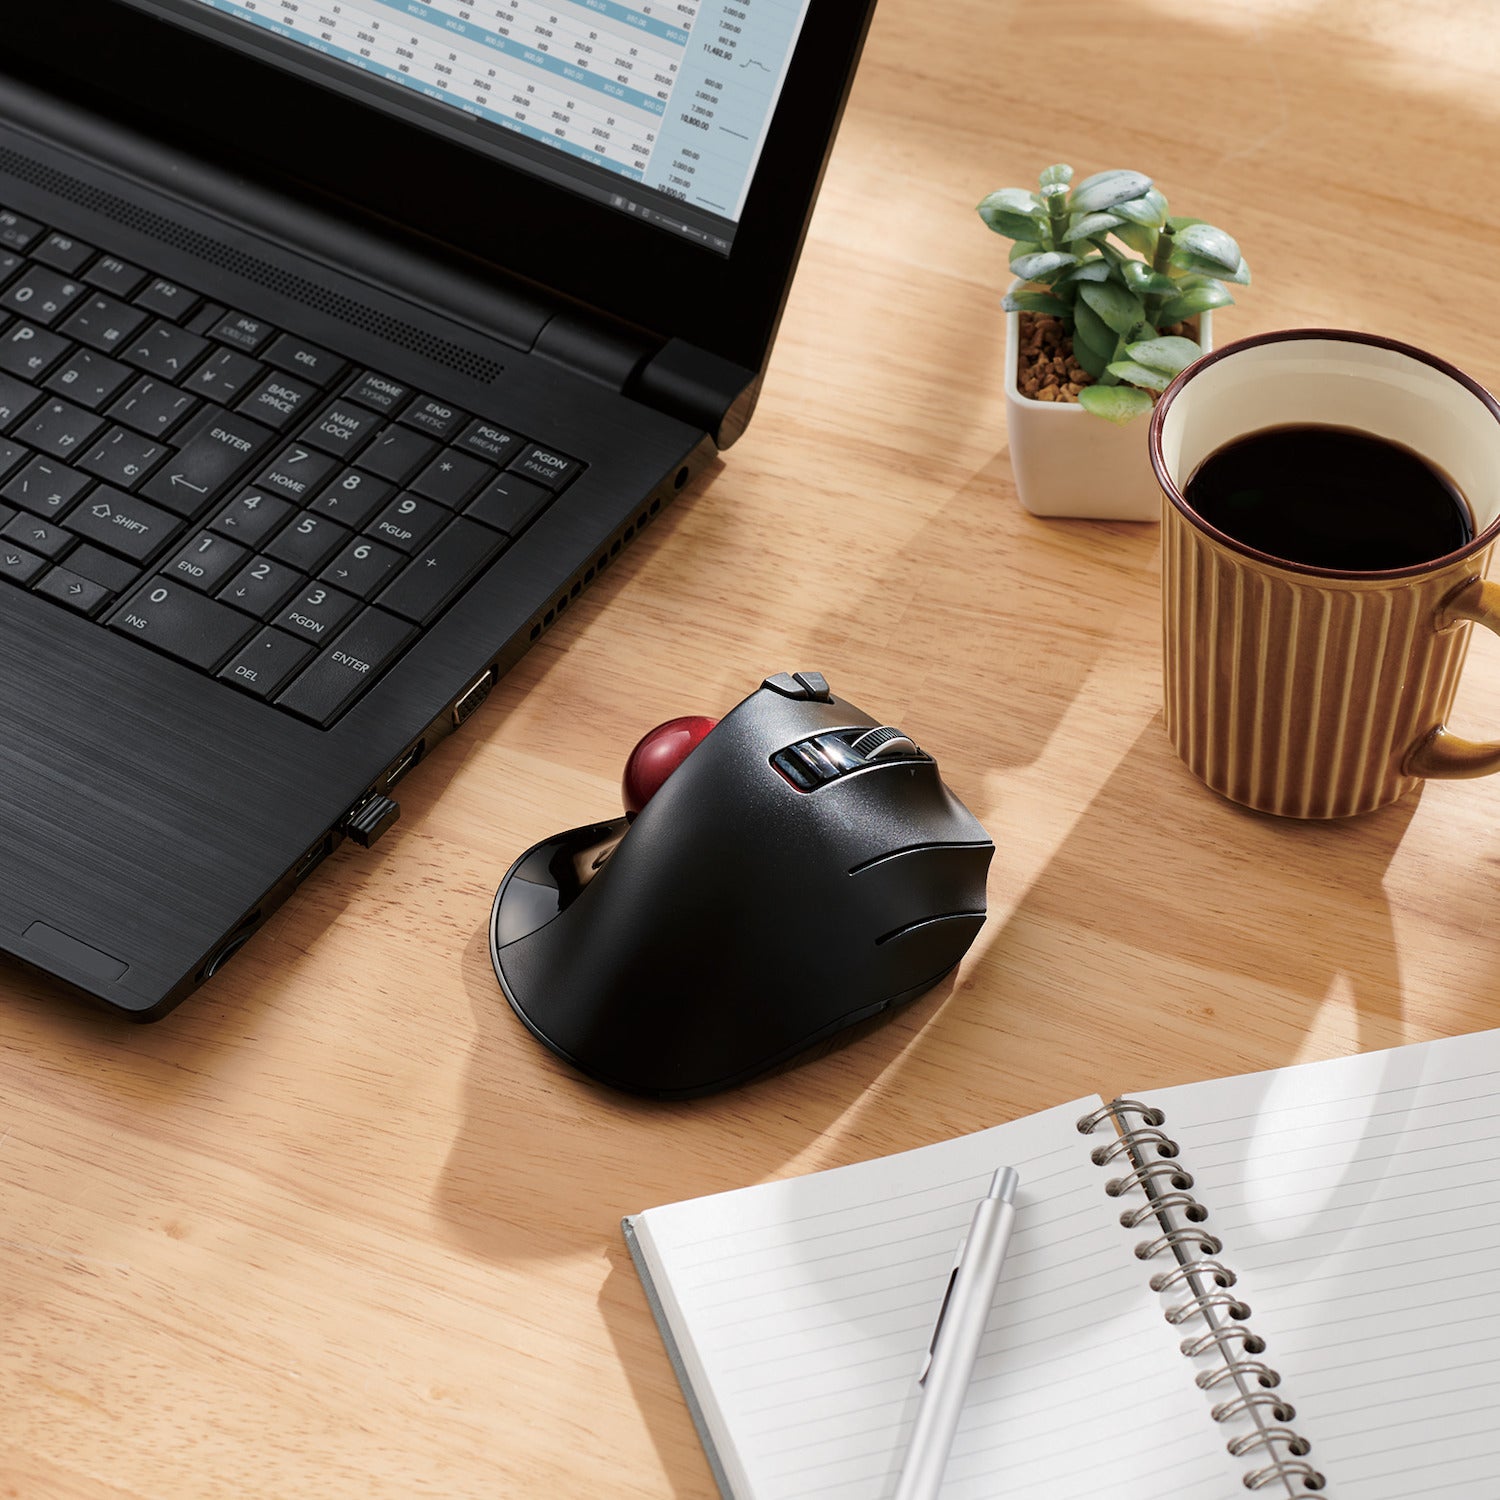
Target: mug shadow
1220 910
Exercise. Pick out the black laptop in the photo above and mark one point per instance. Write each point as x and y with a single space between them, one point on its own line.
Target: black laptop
343 343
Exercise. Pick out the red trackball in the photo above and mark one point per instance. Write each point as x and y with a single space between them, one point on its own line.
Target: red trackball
659 753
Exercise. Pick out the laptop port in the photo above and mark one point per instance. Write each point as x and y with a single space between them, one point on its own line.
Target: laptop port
404 764
473 695
312 859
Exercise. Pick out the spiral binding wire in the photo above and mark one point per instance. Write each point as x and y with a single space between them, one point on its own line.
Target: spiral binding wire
1169 1202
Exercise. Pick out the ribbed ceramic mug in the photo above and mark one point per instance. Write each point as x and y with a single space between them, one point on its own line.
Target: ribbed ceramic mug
1309 691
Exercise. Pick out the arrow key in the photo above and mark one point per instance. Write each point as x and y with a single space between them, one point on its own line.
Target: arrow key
45 537
18 565
78 593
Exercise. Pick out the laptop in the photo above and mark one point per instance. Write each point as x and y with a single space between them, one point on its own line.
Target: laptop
343 344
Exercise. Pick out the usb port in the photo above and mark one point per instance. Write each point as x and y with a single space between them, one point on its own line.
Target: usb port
405 764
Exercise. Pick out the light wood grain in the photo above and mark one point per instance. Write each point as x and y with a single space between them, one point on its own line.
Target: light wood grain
340 1228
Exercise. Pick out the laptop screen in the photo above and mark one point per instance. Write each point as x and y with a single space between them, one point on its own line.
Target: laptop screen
656 108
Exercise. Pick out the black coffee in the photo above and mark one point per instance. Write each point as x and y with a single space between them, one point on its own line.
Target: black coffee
1330 497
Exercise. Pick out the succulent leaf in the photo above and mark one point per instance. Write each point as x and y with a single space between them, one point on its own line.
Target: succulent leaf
1091 331
1150 209
1119 308
1210 244
1105 189
1037 302
1013 201
1116 403
1133 374
1085 226
1032 264
1168 355
1094 269
1195 299
1059 173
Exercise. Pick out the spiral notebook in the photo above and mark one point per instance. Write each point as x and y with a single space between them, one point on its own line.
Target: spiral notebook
1286 1282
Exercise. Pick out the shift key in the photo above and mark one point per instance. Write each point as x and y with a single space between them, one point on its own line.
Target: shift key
215 450
334 679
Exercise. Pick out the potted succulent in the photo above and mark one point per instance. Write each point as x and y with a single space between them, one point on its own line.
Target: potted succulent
1113 297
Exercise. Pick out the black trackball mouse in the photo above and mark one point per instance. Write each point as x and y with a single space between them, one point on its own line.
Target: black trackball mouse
802 870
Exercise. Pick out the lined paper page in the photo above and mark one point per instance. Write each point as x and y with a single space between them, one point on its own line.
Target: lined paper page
1359 1204
802 1310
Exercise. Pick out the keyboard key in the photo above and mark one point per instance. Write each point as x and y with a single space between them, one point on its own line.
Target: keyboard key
362 567
342 428
88 379
260 586
252 516
307 543
407 522
486 440
297 472
167 299
451 478
207 318
397 454
124 523
123 458
509 504
298 357
153 406
41 295
436 418
103 323
74 590
58 428
164 350
16 399
10 263
182 622
16 232
17 565
315 613
12 456
104 568
46 538
111 274
30 352
278 399
217 448
265 663
206 561
322 690
440 570
545 466
353 497
46 488
378 392
224 376
63 253
243 332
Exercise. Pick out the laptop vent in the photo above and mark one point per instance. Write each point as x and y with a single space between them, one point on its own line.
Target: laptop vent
252 268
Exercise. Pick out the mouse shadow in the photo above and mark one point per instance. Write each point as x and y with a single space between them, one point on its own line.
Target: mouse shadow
512 1188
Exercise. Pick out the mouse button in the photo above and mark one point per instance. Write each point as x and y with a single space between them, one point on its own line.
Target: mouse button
912 885
805 685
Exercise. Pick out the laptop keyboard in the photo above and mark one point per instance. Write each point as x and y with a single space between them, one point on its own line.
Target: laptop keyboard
247 502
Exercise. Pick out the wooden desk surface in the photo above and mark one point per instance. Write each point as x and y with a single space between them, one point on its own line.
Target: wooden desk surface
339 1227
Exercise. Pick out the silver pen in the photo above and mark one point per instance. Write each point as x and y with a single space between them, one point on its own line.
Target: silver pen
955 1340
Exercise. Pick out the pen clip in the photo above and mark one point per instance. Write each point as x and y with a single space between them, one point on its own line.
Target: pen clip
942 1311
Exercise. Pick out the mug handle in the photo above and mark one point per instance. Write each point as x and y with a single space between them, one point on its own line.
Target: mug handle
1440 753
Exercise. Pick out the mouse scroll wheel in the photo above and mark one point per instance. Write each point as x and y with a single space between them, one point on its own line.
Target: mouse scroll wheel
884 743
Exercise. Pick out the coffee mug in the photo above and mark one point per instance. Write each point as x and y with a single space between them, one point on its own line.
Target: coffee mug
1305 688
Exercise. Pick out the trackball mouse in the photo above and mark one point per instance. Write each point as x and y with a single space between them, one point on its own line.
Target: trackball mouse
803 869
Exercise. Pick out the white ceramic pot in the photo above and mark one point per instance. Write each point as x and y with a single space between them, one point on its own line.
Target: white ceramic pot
1068 462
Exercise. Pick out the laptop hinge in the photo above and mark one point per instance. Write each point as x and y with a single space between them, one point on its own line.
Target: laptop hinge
705 389
601 350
